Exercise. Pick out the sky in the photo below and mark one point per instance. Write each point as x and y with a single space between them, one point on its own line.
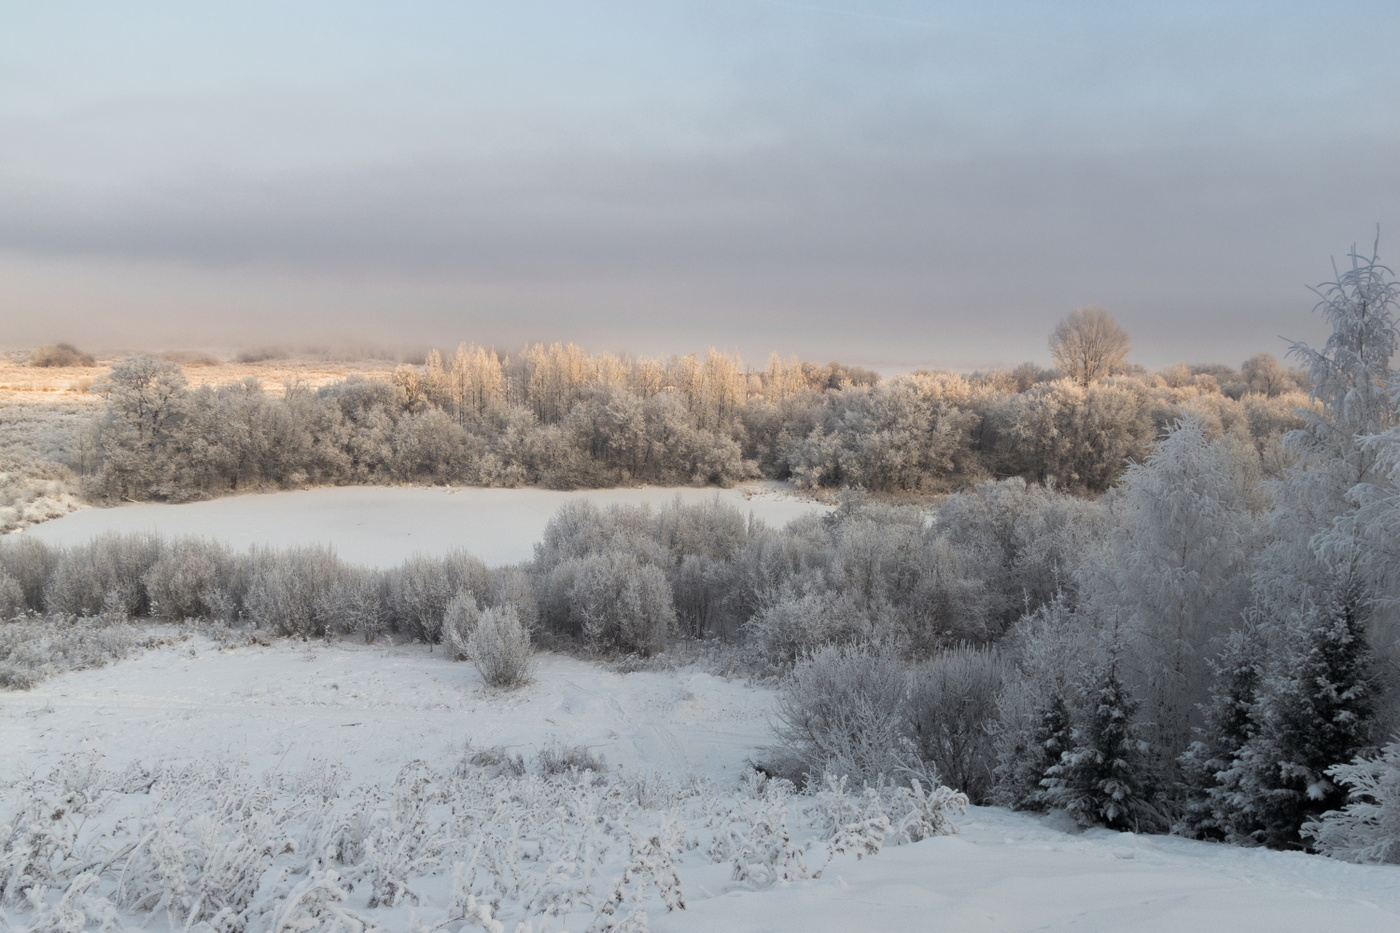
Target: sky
893 184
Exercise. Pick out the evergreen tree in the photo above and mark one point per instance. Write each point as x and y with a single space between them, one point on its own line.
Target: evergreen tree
1052 740
1208 767
1312 712
1101 780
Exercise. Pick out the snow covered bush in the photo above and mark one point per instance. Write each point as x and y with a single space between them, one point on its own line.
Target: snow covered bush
952 713
794 625
12 602
193 579
512 586
1367 829
292 592
106 573
622 604
358 604
420 590
554 758
842 711
499 647
28 562
209 846
458 624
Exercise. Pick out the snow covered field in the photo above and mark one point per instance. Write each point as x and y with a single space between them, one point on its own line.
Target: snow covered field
378 526
676 741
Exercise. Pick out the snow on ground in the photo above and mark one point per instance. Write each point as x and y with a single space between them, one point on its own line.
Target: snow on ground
374 708
382 526
1005 872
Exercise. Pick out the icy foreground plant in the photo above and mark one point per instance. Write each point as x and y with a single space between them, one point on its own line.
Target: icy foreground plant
1368 828
209 847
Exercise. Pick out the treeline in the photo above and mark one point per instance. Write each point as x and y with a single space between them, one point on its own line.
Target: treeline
558 417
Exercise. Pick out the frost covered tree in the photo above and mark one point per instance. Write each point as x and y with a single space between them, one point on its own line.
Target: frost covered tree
1320 594
1367 829
1051 648
1175 571
143 393
1089 346
1311 712
1313 518
1209 767
1103 778
1264 374
1052 739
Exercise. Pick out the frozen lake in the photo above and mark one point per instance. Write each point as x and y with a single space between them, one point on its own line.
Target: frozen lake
379 526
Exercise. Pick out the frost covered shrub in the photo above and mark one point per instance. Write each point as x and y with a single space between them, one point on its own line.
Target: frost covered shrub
795 625
292 592
618 603
511 586
842 711
421 589
193 579
105 574
953 717
1022 540
458 624
499 647
11 597
486 844
560 759
28 562
1367 829
357 604
35 648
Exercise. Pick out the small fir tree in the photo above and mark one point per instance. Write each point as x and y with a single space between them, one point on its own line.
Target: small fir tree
1052 740
1101 780
1208 767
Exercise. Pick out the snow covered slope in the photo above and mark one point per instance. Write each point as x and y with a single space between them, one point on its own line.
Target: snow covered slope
372 709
